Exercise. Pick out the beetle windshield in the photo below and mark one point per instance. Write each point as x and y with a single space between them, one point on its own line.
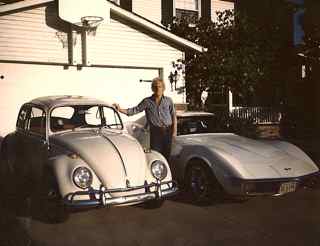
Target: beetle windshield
196 124
84 116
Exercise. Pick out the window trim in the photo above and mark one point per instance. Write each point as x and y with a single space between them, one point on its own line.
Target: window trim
27 106
194 10
50 132
31 133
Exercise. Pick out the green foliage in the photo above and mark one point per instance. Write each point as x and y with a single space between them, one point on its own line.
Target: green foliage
241 55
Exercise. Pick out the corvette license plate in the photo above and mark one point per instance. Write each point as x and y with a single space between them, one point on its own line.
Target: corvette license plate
287 187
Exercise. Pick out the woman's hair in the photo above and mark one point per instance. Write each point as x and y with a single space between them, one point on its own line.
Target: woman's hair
155 80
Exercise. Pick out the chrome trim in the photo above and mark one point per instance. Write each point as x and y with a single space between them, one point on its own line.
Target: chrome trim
302 181
70 199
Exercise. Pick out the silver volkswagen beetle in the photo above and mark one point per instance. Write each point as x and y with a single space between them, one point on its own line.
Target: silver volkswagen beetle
75 149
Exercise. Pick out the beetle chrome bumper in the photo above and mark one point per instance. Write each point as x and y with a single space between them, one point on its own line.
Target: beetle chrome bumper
103 196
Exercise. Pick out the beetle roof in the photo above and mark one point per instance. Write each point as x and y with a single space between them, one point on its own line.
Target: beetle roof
54 101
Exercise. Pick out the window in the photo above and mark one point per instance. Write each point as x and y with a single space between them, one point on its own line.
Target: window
22 118
37 121
63 112
187 4
190 15
112 118
92 116
83 116
187 10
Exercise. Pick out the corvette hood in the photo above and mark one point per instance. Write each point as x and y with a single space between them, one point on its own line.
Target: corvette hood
114 157
259 158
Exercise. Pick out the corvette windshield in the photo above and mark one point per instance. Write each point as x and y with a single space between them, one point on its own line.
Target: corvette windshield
195 125
84 116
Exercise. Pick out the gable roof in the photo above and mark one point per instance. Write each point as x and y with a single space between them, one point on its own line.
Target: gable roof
115 9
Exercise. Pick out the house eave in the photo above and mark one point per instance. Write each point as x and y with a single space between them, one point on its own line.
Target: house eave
21 5
134 18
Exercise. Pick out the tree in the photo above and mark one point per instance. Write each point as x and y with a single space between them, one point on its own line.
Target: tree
241 56
311 27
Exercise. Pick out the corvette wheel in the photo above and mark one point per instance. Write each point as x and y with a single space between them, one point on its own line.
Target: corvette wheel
202 185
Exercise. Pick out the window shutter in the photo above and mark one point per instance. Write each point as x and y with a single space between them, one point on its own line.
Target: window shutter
206 9
166 11
126 4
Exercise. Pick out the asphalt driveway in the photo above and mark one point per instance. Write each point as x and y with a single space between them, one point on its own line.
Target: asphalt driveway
292 220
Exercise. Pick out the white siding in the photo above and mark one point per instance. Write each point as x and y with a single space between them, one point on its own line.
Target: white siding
118 44
148 9
218 5
25 36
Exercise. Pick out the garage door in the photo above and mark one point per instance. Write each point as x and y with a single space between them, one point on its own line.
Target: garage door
21 83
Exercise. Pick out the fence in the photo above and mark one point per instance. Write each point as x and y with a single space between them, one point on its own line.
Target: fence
259 115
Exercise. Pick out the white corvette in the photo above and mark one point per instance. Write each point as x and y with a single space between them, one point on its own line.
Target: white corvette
209 163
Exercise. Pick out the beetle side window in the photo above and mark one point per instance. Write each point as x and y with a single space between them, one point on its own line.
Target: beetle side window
37 121
22 118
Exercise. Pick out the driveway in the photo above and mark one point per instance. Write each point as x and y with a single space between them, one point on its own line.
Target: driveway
292 220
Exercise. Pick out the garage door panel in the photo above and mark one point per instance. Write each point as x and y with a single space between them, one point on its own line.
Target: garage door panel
22 83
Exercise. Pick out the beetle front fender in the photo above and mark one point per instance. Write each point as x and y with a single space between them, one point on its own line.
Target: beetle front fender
63 167
151 157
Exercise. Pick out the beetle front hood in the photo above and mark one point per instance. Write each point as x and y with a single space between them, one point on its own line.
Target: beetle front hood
115 158
260 159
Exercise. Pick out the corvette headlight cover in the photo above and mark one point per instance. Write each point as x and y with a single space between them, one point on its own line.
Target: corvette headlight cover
159 170
82 177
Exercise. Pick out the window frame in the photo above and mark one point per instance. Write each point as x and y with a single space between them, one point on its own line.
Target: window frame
27 130
100 106
28 108
196 10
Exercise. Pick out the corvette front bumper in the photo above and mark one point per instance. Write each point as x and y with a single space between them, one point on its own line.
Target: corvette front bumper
104 197
274 187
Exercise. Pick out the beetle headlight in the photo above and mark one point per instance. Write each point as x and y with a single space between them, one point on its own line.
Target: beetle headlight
82 177
159 170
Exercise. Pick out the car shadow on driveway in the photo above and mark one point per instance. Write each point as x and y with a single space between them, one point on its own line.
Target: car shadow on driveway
184 197
14 226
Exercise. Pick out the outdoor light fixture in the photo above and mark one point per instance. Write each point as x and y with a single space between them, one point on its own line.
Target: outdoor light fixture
173 77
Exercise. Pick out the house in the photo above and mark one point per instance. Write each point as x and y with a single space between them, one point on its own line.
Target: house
163 11
42 52
194 9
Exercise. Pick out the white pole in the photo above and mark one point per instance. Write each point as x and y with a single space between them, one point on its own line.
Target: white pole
230 101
